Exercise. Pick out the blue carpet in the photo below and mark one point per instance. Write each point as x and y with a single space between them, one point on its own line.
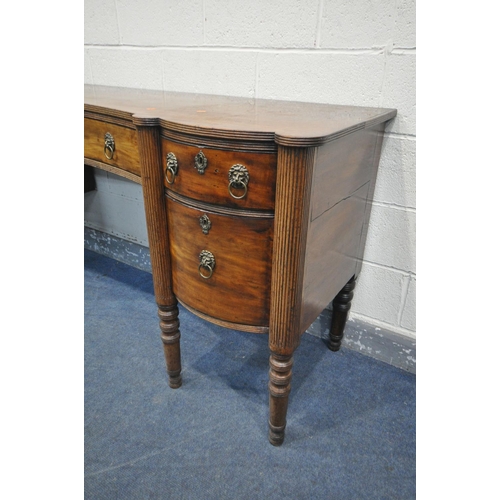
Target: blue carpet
350 427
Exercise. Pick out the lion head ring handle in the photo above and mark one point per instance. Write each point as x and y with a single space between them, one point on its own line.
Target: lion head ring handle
172 168
109 146
207 263
238 179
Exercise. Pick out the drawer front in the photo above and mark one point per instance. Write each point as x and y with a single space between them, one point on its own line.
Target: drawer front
121 149
236 288
206 176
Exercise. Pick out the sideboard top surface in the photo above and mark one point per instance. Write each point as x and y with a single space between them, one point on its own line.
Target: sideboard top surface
285 122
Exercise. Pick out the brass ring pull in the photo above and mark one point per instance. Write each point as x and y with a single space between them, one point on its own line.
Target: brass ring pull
238 179
172 167
207 261
201 266
109 145
237 186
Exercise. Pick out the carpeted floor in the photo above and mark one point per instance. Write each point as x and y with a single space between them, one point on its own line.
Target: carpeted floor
350 426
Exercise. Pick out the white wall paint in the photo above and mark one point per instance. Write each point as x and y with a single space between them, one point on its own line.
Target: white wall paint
116 207
355 52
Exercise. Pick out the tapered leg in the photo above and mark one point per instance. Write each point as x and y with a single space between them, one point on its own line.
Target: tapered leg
291 218
148 135
341 305
280 375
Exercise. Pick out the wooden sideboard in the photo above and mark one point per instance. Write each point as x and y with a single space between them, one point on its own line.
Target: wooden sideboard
257 210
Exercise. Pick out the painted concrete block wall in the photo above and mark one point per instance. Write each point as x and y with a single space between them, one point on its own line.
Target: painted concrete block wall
355 52
116 207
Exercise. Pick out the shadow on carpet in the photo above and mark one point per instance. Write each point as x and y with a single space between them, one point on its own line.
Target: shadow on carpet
351 419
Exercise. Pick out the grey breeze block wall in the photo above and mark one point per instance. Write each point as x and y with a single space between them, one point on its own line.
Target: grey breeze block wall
356 52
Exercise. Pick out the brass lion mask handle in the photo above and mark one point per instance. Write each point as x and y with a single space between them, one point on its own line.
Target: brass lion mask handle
238 179
172 168
109 146
207 263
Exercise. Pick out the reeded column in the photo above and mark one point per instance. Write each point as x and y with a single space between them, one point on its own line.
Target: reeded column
148 134
293 181
341 305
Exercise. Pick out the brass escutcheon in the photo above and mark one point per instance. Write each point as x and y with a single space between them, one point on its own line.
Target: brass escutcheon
207 261
205 223
172 167
238 179
109 145
200 162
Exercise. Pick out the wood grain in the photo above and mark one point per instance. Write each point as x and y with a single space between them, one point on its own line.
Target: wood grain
341 167
280 377
284 250
199 141
341 305
226 324
126 154
293 191
331 256
239 289
378 132
156 221
212 185
114 170
342 183
263 120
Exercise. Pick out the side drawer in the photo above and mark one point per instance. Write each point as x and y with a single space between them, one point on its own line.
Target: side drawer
206 176
236 287
122 152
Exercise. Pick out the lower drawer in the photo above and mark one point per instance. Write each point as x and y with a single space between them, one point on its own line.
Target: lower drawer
235 285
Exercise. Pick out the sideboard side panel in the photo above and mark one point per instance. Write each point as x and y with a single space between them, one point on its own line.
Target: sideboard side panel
379 133
341 185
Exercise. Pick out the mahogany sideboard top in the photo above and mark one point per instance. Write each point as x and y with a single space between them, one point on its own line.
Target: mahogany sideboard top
257 210
285 122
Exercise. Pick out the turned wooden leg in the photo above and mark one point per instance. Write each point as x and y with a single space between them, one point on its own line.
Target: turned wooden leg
341 305
280 375
170 336
291 218
148 135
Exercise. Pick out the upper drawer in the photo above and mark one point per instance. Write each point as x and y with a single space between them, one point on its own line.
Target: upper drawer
237 179
121 150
